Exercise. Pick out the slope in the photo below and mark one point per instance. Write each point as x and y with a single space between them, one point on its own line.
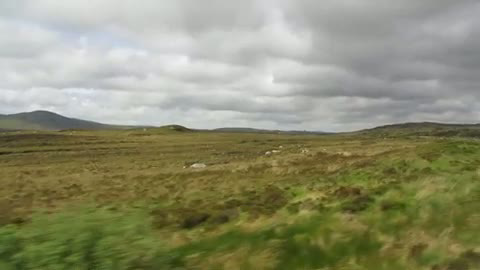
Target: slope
45 120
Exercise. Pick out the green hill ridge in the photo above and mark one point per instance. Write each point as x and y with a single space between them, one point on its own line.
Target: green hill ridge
45 120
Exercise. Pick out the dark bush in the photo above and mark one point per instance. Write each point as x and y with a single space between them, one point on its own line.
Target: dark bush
392 205
194 219
344 192
358 204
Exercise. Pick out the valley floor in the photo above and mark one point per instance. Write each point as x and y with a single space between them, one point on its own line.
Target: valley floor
131 200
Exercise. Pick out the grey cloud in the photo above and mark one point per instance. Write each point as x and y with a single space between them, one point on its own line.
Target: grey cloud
190 15
305 64
20 40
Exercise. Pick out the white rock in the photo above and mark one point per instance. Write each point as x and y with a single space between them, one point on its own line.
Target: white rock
198 166
276 151
268 153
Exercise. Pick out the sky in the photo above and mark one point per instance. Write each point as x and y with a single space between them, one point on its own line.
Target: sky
330 65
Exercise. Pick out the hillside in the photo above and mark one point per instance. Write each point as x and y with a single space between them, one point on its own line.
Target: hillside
45 120
424 129
49 121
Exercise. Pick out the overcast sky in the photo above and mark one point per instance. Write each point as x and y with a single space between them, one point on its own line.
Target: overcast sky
331 65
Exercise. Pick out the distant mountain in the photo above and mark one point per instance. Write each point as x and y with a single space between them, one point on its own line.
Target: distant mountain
45 120
254 130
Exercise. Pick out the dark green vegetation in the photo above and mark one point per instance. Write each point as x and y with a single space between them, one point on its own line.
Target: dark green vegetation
129 200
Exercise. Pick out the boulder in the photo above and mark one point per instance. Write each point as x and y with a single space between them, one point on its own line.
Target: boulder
198 166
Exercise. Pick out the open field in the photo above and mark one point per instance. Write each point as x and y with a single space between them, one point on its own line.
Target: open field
130 200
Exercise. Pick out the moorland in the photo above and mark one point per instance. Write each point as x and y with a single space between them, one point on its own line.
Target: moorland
397 197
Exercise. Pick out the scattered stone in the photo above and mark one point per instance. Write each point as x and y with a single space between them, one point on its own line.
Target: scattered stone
305 151
269 153
198 166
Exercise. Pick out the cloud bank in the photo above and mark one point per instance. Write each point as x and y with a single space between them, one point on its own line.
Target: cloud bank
332 65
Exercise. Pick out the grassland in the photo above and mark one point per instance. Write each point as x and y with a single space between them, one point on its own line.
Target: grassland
129 200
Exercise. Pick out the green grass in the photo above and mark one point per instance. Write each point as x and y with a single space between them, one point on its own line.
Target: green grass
128 200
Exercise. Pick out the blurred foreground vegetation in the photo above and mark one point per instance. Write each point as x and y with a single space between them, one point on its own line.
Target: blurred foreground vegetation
129 200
